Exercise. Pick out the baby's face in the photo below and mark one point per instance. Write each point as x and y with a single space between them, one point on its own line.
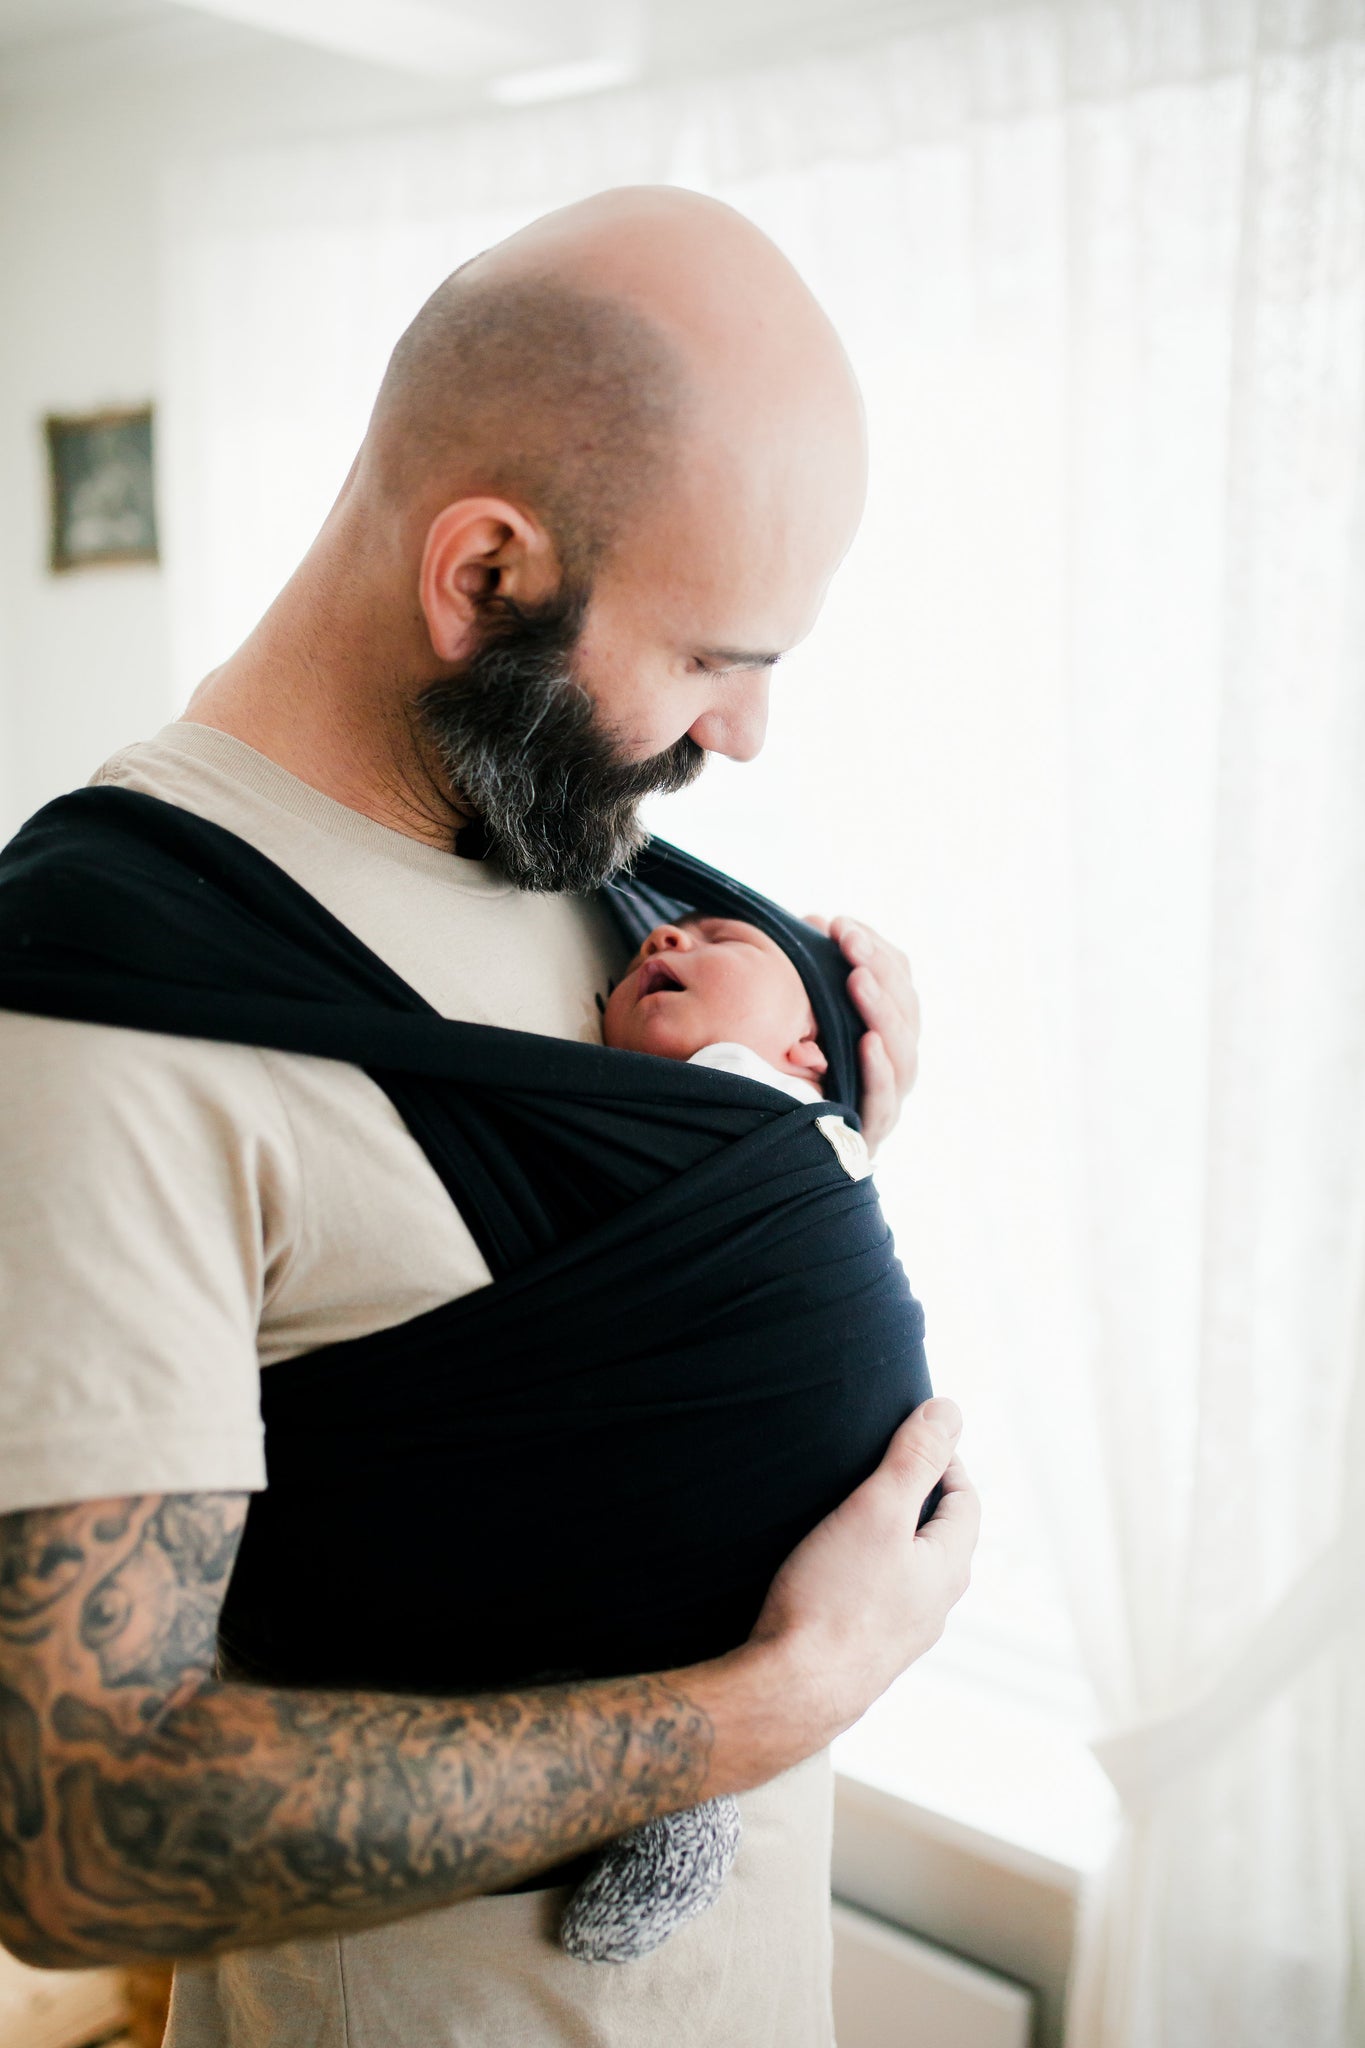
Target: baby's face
711 980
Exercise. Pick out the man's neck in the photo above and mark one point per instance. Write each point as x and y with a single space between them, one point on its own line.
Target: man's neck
317 690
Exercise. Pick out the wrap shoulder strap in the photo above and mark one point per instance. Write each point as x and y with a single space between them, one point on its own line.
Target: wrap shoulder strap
121 909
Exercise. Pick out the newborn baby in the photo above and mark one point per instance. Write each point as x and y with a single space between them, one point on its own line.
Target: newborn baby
721 994
717 993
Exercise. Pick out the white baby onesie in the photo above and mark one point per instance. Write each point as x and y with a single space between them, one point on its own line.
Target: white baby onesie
847 1145
742 1059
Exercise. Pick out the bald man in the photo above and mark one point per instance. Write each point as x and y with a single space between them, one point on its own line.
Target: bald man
611 470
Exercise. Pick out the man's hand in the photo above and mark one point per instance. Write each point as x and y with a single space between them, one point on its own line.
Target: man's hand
868 1591
884 995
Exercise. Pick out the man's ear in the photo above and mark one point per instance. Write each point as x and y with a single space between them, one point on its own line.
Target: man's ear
476 548
806 1059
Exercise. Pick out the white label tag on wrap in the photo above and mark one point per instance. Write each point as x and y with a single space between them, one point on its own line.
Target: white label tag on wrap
848 1146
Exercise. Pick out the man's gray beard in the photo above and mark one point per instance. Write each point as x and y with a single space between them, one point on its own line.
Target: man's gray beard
527 756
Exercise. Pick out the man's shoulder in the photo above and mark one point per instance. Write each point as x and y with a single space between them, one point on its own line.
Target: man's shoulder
199 769
125 768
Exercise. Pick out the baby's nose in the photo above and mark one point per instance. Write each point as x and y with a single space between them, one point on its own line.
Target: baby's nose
666 938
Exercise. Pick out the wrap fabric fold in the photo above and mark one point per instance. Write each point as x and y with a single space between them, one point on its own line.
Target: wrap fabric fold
697 1338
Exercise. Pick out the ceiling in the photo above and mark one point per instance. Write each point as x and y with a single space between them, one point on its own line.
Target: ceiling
531 49
47 43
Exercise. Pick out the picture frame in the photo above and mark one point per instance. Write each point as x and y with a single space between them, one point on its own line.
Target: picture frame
102 488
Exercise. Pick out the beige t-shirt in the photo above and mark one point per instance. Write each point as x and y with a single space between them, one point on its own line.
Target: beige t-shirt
176 1215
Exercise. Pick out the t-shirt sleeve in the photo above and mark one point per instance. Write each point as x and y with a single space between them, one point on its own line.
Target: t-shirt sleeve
146 1184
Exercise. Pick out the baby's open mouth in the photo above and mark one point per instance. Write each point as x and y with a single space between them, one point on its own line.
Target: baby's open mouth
655 976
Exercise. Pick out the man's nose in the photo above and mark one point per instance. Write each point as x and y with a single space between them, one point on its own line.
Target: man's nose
736 724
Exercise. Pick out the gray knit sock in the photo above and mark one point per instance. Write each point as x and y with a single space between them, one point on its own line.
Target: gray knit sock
650 1882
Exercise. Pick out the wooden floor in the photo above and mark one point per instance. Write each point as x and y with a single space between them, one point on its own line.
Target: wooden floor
81 2008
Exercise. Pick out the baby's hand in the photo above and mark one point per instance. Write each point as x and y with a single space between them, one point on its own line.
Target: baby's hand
884 996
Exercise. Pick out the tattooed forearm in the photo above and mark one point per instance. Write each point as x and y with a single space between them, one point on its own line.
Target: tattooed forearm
338 1811
149 1808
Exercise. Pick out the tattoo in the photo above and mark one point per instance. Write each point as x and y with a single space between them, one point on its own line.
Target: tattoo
152 1618
149 1809
21 1786
38 1566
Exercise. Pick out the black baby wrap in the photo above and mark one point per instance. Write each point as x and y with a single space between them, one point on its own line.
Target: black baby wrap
697 1341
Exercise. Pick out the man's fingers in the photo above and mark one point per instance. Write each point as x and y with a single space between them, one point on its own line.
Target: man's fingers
893 1010
896 1022
877 992
939 1414
955 1478
920 1451
879 1097
882 990
955 1524
862 947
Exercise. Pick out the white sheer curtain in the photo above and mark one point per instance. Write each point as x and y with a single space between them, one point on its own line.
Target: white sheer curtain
1240 1655
1085 724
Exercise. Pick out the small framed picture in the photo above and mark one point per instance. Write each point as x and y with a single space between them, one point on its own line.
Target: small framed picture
103 499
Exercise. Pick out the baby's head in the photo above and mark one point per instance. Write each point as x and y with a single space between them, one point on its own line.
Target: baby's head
713 980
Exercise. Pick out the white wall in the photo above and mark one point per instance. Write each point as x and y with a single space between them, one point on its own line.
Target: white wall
84 662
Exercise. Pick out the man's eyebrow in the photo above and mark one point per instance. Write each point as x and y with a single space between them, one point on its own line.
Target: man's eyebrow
737 657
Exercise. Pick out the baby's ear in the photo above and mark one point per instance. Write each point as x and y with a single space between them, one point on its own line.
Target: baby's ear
805 1057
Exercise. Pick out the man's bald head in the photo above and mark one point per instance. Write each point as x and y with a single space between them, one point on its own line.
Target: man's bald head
572 367
568 401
